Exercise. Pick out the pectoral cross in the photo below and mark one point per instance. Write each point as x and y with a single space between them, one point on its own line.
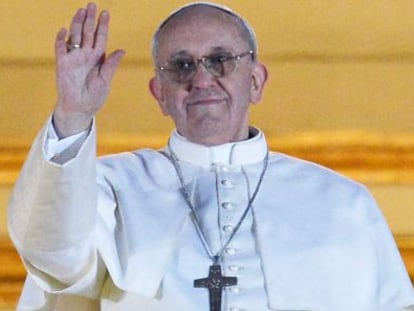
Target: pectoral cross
215 282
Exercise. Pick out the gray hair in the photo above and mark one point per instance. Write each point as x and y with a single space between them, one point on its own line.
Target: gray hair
245 27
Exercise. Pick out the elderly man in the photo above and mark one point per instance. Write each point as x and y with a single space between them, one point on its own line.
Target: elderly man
213 221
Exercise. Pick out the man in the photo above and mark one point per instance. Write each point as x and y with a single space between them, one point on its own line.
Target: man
213 221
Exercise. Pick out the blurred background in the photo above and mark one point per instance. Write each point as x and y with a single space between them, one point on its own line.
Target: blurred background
340 92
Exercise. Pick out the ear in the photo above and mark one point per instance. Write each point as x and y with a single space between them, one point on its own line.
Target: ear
156 91
259 78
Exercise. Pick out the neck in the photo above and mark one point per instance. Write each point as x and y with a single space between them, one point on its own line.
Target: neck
244 152
217 139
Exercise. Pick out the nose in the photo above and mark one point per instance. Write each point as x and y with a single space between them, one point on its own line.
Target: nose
202 77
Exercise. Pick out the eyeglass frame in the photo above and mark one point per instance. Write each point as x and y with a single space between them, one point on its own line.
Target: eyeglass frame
203 60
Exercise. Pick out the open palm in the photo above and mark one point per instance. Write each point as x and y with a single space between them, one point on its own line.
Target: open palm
83 70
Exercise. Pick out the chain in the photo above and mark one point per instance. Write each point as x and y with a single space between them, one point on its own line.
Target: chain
186 194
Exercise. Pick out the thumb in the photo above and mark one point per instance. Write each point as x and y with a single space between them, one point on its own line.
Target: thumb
111 64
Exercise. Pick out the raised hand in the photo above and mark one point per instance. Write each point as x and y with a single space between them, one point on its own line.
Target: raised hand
83 71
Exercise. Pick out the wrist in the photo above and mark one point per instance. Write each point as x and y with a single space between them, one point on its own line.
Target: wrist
68 124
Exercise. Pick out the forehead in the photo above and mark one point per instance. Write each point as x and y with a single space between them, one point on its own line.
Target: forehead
200 30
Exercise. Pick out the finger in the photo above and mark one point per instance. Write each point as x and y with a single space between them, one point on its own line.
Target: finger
111 64
101 36
89 26
75 31
60 43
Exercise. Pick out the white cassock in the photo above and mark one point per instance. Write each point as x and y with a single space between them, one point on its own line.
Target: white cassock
116 234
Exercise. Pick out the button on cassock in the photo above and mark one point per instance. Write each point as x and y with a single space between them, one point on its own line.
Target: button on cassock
231 251
228 228
227 205
234 289
235 268
227 183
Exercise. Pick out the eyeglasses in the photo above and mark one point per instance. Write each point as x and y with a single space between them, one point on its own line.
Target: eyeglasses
183 68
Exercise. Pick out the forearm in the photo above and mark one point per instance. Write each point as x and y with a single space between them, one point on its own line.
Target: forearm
52 213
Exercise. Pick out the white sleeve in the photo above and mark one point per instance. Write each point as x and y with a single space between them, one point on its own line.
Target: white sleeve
60 151
52 216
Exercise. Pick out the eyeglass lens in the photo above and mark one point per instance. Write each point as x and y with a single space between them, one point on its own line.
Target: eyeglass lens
183 69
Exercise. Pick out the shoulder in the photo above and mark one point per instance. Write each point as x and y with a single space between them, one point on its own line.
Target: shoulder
290 168
131 159
313 187
135 168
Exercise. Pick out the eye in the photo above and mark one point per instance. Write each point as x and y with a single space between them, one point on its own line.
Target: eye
218 59
182 64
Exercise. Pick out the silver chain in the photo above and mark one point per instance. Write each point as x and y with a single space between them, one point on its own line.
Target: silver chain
186 194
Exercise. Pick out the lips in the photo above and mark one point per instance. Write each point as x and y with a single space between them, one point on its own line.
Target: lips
204 99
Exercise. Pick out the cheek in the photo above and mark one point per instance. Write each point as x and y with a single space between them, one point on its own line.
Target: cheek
240 92
173 103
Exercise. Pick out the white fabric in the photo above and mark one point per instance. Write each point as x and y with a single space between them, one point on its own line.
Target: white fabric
55 146
112 234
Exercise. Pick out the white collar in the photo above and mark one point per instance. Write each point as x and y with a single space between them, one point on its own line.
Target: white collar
244 152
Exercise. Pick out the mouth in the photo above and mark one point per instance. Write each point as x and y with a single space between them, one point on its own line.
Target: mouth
205 101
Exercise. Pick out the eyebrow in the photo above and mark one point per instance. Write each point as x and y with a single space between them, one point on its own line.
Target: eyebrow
180 53
187 53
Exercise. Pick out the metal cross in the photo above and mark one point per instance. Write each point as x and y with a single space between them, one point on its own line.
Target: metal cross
215 282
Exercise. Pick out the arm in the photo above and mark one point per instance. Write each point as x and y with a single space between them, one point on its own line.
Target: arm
53 217
53 209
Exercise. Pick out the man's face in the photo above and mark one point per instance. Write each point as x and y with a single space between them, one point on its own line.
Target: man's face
208 110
